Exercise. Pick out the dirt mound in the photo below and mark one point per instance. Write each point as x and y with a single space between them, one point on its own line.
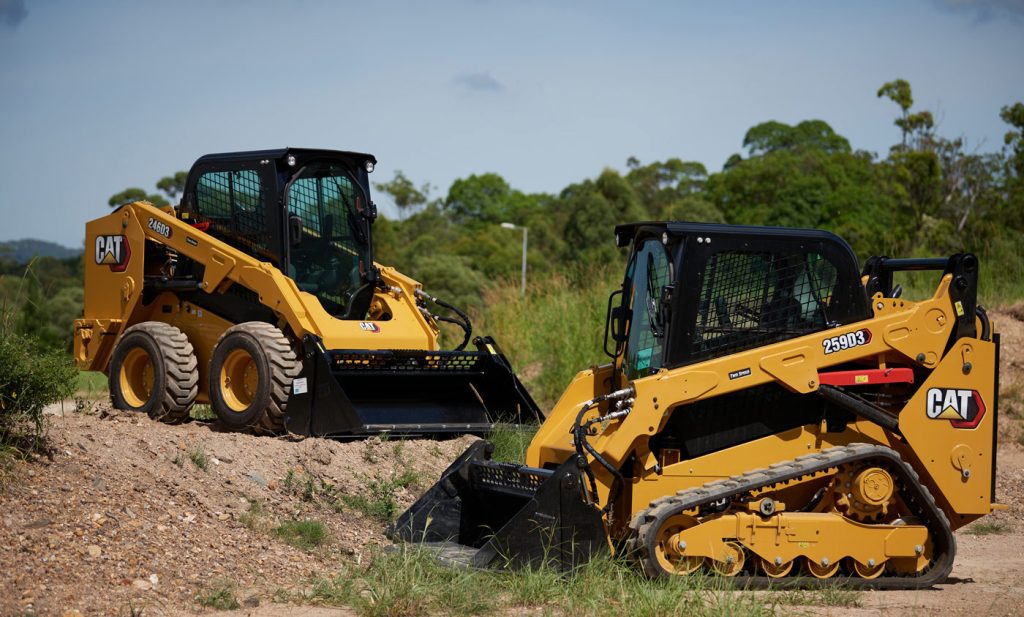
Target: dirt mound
130 512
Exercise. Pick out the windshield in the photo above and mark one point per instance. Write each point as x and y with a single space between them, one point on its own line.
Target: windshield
332 255
648 272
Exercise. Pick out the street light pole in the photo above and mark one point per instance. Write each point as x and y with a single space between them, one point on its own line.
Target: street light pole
526 233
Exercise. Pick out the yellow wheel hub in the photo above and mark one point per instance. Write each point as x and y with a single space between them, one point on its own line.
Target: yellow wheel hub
823 568
137 377
776 568
732 562
239 380
869 570
670 555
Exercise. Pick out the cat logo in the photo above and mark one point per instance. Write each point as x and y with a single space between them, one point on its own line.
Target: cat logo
963 408
113 251
369 326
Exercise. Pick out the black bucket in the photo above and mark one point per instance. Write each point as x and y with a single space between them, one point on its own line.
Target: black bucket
353 393
487 514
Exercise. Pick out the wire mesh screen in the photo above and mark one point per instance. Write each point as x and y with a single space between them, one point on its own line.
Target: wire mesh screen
749 299
232 202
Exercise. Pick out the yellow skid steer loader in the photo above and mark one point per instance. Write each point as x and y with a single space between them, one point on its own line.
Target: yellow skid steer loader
259 295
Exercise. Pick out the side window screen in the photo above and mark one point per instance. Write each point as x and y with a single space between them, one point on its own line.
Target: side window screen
232 202
748 299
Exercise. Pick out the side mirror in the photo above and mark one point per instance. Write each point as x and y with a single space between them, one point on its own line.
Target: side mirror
294 229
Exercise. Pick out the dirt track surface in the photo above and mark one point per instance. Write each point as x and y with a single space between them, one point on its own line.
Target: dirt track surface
122 518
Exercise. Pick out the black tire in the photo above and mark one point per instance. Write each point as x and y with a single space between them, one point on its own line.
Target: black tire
154 369
261 357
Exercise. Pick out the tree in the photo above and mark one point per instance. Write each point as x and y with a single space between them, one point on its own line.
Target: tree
773 136
485 198
405 194
129 195
595 207
172 186
660 185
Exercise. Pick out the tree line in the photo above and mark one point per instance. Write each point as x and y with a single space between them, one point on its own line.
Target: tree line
928 195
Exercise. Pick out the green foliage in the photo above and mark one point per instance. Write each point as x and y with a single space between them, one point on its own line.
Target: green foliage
511 441
554 332
172 186
198 456
31 377
988 528
408 580
221 597
91 385
43 298
134 193
306 534
378 499
404 193
774 136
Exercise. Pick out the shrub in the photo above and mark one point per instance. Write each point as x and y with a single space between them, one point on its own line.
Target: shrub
31 377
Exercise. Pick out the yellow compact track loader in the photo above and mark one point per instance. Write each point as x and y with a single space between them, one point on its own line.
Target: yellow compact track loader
259 295
770 414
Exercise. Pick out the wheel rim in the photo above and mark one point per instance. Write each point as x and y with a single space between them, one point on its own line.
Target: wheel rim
733 563
774 570
866 571
820 570
668 557
137 377
239 380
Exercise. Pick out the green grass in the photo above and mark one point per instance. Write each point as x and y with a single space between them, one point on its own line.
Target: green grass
378 501
554 332
198 456
220 597
409 581
510 441
203 413
306 534
255 517
988 528
91 385
830 595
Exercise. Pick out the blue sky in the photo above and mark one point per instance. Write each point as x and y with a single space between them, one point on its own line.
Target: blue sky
96 96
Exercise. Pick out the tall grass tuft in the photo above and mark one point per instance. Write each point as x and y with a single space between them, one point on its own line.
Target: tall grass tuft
511 441
553 332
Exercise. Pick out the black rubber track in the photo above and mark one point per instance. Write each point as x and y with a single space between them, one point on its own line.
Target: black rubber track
916 496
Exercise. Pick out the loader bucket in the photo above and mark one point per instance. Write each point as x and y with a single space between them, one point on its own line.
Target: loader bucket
354 393
487 514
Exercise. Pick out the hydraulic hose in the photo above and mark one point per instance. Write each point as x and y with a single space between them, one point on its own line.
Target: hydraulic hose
462 321
581 443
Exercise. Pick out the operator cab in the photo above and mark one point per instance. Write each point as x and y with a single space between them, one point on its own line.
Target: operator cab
695 291
307 212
